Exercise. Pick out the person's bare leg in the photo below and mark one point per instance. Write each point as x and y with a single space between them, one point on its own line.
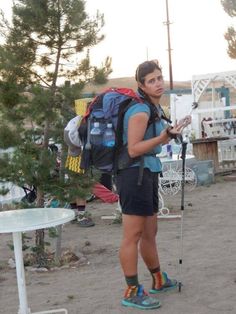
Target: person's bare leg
148 245
149 252
132 230
135 295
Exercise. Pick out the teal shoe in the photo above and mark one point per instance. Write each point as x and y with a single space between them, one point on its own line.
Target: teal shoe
140 300
166 284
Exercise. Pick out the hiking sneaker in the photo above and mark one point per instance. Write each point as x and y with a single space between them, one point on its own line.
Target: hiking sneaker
84 220
136 297
165 283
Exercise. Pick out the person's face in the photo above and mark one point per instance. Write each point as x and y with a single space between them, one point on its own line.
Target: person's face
153 85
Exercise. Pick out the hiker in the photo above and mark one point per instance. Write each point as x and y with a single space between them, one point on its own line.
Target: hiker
139 203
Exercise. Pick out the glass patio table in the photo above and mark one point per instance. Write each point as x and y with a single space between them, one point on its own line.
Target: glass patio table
22 220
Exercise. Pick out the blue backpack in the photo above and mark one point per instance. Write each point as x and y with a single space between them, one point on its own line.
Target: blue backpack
108 107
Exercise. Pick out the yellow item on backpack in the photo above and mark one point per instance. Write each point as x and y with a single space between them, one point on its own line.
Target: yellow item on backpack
73 164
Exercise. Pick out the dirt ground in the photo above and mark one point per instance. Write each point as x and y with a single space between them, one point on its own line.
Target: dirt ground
96 286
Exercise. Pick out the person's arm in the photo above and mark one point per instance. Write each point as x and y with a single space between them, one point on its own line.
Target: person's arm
137 126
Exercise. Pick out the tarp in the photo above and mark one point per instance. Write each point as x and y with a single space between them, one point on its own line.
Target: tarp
107 196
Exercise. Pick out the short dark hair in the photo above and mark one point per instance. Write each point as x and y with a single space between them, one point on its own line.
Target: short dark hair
145 68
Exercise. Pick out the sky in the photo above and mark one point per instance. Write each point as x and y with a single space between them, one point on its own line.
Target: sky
135 31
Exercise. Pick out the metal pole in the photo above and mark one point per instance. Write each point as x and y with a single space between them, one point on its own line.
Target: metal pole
167 23
183 157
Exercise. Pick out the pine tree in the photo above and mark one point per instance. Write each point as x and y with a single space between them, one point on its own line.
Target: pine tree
46 47
230 8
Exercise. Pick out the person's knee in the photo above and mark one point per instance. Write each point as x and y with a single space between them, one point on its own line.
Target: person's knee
150 234
150 229
133 237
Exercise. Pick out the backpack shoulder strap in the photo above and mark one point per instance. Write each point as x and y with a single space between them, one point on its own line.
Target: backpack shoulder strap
120 122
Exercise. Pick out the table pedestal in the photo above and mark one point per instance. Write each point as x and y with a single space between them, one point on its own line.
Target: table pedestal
20 273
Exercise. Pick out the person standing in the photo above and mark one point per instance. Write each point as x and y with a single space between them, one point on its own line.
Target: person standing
139 202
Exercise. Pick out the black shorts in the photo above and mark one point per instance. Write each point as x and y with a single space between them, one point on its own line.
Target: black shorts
140 200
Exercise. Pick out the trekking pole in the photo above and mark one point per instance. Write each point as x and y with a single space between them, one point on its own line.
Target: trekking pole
183 157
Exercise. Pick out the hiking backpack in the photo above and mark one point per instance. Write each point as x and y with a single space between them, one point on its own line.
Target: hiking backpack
108 107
